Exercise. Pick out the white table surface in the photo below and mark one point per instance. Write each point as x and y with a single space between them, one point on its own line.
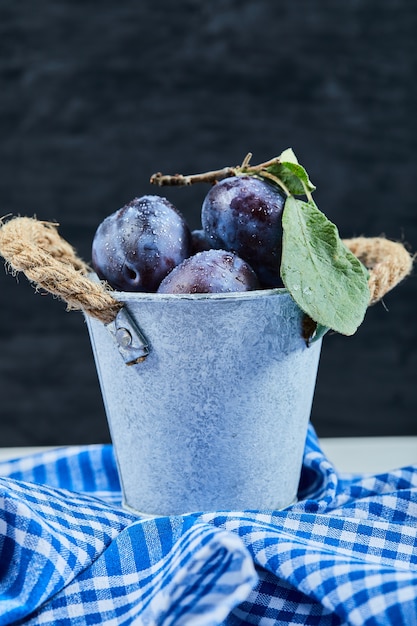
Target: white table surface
348 454
370 454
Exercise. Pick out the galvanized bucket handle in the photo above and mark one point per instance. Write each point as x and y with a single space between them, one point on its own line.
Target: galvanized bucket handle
51 263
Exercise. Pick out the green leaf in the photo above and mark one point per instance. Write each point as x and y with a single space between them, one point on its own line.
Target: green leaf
325 279
291 173
288 156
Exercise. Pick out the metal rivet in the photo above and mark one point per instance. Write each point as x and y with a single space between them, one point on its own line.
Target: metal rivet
123 337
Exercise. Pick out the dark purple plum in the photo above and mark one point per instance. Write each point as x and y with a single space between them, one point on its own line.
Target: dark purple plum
200 241
243 214
210 271
138 245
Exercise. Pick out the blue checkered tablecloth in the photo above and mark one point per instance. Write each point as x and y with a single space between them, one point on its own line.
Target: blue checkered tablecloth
345 553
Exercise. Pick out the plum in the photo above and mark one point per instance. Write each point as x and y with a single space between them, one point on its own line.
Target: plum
200 241
242 214
135 247
210 271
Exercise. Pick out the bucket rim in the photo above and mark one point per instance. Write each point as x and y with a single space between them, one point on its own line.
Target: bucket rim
130 296
135 296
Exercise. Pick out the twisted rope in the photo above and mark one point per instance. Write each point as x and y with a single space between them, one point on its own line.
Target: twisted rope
50 262
36 248
388 261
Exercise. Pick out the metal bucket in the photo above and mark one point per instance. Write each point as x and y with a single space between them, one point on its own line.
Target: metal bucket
216 416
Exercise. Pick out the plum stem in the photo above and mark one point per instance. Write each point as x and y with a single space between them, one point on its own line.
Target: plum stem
213 176
307 193
277 181
181 181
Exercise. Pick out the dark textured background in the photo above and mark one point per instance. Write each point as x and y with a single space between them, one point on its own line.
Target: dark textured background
96 96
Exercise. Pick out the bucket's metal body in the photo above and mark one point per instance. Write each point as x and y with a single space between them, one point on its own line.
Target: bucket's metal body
216 416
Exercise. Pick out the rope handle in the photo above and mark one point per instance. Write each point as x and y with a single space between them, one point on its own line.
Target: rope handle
51 263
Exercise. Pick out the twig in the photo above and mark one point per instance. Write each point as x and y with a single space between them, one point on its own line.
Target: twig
181 180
